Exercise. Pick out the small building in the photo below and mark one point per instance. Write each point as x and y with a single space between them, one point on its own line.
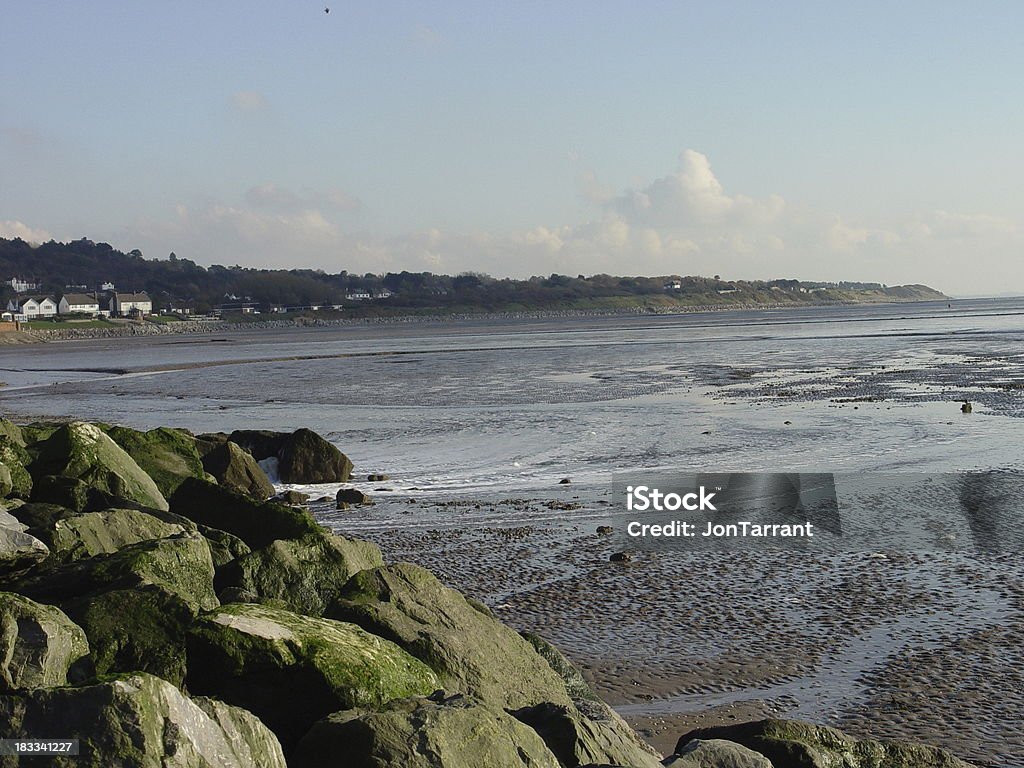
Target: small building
106 287
384 293
673 285
22 286
79 304
130 305
359 296
31 307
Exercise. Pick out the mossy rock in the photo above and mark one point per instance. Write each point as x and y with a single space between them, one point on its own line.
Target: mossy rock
291 670
469 650
6 485
255 523
224 547
96 533
14 456
141 721
39 516
19 550
141 629
233 468
167 455
11 431
38 644
717 753
68 492
795 744
578 739
575 684
181 564
304 574
82 451
456 732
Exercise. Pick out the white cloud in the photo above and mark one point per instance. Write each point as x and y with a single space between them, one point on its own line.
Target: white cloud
12 229
249 101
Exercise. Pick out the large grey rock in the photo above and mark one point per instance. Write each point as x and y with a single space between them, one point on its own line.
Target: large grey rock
457 732
292 670
256 523
468 648
140 721
717 753
599 736
302 456
304 574
83 452
305 457
235 469
803 745
19 551
38 644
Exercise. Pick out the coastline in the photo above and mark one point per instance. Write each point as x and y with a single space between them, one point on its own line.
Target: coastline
205 327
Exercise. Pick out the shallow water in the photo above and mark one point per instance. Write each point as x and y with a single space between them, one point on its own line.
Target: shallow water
475 423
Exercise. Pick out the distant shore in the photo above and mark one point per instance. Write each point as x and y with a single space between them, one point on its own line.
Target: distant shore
219 326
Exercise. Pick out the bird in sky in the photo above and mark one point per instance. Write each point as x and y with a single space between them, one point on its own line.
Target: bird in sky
327 10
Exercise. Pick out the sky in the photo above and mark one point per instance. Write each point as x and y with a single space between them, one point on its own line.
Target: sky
815 140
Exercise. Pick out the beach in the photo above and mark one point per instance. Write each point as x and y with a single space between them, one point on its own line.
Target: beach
476 424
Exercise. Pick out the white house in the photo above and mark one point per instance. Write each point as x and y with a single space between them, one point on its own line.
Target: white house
359 296
32 307
22 286
129 304
79 303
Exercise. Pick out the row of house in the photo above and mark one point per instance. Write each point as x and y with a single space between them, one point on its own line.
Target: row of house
90 305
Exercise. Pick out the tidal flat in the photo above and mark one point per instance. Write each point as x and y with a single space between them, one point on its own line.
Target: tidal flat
475 424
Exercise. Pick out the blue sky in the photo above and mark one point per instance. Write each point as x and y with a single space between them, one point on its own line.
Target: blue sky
814 140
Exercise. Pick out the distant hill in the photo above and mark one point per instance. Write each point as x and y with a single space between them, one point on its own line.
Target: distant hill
59 266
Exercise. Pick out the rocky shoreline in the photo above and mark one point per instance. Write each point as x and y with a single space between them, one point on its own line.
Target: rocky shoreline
159 603
143 328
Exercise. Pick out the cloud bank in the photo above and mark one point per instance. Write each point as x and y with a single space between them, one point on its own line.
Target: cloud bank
684 222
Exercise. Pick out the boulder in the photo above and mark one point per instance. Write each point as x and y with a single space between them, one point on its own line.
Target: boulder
794 743
19 551
293 498
181 564
348 496
141 721
235 469
258 443
6 485
141 629
167 455
306 574
305 457
255 523
717 753
224 546
469 649
68 492
38 644
590 730
293 670
82 451
576 739
95 533
11 431
14 456
456 732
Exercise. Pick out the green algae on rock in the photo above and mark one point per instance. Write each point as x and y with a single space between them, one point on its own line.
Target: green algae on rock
291 670
167 455
38 644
